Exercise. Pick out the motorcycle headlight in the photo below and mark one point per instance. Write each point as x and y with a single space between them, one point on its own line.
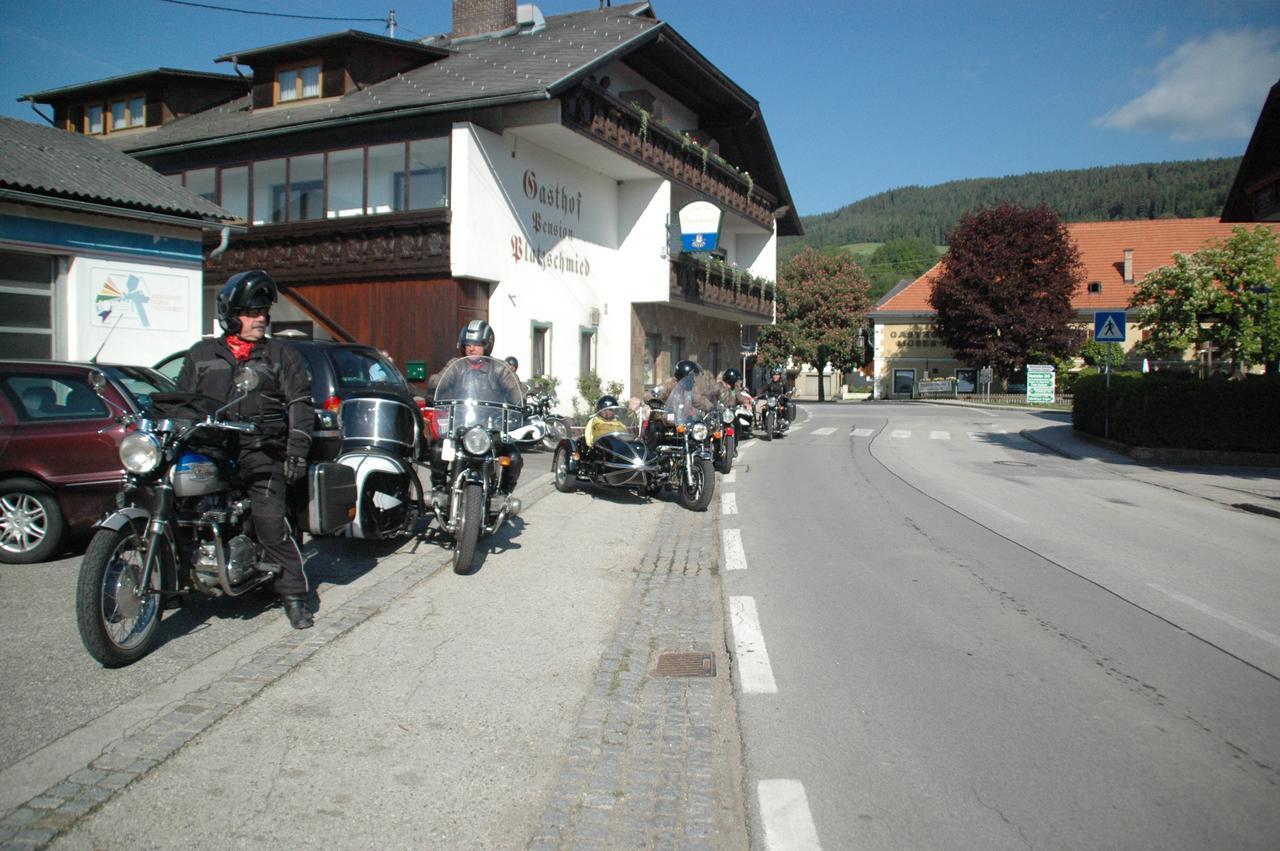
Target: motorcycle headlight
476 441
140 452
699 431
726 416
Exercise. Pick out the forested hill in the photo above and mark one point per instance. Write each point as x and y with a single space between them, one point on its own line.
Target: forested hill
1146 191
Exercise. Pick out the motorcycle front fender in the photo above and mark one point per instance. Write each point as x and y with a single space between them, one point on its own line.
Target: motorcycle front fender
121 518
139 520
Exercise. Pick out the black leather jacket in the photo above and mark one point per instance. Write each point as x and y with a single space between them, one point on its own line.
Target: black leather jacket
281 405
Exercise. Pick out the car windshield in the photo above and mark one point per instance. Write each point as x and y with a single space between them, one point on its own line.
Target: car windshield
140 383
356 369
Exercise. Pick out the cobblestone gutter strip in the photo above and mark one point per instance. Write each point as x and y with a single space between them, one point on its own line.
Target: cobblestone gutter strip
641 767
35 823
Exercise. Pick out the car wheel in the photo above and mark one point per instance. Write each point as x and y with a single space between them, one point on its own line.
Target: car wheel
31 522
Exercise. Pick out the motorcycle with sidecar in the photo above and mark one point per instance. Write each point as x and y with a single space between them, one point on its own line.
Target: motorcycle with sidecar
670 448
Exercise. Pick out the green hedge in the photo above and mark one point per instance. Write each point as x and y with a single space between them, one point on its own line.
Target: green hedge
1171 411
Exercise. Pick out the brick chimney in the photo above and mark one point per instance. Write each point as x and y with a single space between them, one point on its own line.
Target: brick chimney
477 17
1128 265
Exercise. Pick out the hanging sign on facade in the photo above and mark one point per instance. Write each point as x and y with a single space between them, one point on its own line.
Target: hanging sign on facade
700 226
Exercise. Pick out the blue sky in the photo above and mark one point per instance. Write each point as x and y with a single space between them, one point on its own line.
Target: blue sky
859 97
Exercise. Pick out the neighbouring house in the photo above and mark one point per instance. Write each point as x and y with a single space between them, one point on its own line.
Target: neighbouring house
1116 257
96 247
524 169
1255 194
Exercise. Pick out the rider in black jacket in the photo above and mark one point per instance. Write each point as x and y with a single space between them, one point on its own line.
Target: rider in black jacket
281 406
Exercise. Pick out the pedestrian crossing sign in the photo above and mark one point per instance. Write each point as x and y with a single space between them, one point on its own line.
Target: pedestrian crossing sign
1108 326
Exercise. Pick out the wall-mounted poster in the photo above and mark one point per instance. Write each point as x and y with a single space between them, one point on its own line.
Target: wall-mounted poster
139 299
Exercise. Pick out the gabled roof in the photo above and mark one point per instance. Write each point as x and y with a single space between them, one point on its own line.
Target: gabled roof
1260 165
304 48
1102 246
531 64
54 164
139 80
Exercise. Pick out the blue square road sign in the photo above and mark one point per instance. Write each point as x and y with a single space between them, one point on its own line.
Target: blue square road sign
1108 326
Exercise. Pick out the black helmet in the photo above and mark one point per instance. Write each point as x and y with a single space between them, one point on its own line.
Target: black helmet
476 333
606 402
244 291
513 363
731 377
687 367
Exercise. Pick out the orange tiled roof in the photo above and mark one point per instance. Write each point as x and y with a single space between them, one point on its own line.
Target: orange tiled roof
1102 246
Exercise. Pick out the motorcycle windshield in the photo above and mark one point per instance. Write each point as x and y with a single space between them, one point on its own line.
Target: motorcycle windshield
686 402
478 391
479 379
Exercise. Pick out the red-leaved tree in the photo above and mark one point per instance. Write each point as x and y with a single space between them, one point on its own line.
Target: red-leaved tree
1004 293
821 306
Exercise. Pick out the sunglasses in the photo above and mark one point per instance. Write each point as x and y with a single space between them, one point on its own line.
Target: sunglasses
254 311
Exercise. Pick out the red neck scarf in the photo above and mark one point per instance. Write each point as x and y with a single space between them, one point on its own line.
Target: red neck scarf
240 348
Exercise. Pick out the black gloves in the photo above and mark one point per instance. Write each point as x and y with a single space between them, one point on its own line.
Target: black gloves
295 468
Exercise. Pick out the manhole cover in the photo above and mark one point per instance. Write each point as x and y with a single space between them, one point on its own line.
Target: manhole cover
686 665
1016 463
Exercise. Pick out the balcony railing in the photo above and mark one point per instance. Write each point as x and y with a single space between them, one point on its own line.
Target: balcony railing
702 280
628 129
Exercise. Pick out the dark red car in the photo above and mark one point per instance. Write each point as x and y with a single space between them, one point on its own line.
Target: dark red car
59 467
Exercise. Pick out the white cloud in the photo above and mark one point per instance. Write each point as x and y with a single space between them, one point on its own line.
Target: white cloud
1209 88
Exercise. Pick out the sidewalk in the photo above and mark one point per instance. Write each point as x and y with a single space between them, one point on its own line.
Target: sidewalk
1248 488
532 704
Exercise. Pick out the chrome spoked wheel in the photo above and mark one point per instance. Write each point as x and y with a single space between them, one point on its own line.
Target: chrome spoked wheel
118 618
557 431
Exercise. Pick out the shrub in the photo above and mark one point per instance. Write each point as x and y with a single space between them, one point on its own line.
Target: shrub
1180 411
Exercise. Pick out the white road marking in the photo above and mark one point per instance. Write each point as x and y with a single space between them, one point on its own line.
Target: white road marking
735 557
1230 620
784 809
823 430
728 478
900 432
728 502
939 435
863 432
754 670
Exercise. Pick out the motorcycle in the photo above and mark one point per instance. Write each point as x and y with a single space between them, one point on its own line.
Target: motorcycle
744 417
538 412
381 437
479 411
183 523
774 415
671 448
723 438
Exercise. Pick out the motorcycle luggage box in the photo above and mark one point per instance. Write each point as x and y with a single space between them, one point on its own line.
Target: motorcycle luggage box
790 411
331 497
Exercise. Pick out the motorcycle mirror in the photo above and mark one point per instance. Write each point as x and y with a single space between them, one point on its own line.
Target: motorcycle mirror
246 380
97 381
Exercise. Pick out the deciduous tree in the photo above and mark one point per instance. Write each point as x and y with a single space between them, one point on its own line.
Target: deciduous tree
1227 294
1005 288
821 308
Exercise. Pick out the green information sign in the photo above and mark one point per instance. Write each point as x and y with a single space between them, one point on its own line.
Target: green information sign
1040 384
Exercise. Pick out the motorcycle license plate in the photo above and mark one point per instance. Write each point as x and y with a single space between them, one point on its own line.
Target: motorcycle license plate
446 450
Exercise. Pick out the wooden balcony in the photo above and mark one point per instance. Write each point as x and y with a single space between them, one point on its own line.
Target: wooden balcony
595 113
729 292
393 244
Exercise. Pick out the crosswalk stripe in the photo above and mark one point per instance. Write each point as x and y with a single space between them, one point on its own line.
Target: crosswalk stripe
900 432
824 430
863 432
939 435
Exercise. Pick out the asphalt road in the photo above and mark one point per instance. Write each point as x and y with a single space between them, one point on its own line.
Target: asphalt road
977 643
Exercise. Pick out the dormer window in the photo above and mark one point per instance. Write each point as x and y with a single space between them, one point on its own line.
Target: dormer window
296 82
128 112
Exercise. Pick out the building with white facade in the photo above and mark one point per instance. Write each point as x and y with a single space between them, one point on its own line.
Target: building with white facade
522 169
95 248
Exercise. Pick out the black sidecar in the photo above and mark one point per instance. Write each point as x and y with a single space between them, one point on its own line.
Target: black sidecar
611 452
